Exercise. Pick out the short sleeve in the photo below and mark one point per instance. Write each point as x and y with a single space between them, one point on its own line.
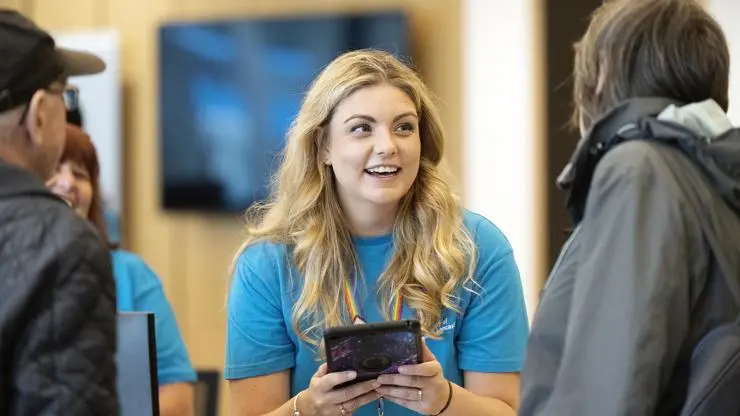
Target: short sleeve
257 339
173 362
495 326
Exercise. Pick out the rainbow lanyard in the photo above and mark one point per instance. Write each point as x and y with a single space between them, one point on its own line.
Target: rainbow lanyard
354 312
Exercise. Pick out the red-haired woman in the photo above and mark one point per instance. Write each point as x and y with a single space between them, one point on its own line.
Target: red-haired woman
137 287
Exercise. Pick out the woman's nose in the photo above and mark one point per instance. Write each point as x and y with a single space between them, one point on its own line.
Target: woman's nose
385 143
64 179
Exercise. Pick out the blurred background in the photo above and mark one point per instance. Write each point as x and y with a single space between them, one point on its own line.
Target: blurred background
198 94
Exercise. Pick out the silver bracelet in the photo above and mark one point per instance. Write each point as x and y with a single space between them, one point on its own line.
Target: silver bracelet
295 404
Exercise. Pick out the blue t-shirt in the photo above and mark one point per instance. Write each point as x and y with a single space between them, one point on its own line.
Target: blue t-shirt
139 290
489 336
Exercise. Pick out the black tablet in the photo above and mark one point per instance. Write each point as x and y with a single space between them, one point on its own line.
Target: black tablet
373 349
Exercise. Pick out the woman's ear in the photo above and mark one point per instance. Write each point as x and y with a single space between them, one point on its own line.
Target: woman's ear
35 117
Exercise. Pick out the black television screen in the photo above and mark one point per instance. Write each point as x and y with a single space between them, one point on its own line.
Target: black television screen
228 91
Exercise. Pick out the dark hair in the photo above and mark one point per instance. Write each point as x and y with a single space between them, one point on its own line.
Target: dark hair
74 117
72 102
649 48
79 148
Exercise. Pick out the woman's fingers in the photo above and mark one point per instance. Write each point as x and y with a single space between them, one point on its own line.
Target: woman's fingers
350 393
404 393
359 401
400 380
327 382
427 369
321 371
428 355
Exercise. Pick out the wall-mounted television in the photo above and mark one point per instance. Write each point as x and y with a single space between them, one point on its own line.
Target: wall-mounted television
229 89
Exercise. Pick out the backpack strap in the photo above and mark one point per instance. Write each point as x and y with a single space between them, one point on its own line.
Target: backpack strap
731 278
652 129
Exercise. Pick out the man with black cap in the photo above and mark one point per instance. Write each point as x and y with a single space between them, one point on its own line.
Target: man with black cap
57 294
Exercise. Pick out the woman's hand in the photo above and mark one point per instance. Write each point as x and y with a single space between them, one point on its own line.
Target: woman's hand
321 399
421 387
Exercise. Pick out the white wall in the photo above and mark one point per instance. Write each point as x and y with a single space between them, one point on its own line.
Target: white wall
504 121
727 13
101 104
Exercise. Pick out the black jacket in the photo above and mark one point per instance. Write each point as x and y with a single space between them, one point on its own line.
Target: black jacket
656 203
57 306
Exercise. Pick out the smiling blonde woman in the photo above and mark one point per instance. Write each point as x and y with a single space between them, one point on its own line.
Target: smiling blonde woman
360 202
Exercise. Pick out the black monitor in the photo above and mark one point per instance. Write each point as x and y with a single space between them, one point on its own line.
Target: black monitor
229 90
136 358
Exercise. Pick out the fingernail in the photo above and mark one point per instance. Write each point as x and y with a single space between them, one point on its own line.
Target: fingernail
351 375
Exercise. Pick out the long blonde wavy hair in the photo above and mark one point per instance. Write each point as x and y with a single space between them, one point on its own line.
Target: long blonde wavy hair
433 253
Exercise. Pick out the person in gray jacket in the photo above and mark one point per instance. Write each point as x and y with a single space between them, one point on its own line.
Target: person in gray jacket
654 192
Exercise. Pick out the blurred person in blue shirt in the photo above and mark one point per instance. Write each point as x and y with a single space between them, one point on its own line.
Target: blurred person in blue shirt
137 287
361 202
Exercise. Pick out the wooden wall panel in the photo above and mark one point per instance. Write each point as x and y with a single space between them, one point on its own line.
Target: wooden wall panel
21 5
68 14
147 229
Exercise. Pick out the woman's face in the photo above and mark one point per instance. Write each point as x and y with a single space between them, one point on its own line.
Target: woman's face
374 147
71 182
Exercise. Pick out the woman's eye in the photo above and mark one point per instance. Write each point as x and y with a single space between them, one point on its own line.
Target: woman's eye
405 128
361 128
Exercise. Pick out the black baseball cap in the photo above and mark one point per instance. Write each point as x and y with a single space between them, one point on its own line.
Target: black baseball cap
30 60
